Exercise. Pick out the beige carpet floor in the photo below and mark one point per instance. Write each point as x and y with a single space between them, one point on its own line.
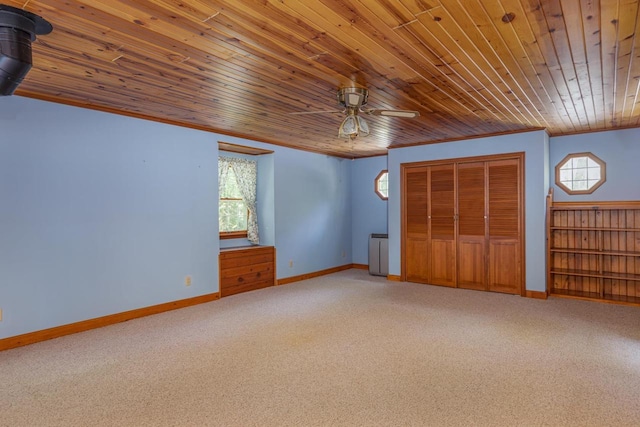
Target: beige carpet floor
346 350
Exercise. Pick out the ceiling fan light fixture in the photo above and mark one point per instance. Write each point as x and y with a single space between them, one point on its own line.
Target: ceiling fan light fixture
348 127
353 126
363 126
353 99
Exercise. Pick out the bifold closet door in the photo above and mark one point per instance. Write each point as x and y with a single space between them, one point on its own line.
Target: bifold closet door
472 242
463 223
504 210
442 229
416 220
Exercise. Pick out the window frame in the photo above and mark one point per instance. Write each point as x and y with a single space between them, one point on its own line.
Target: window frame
589 155
377 180
233 235
239 234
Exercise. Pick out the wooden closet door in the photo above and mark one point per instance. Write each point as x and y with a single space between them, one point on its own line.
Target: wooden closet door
504 212
442 233
416 232
471 256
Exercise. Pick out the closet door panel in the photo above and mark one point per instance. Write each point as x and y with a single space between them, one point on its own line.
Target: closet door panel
417 267
504 266
442 247
416 201
504 226
416 225
471 264
442 262
504 199
471 226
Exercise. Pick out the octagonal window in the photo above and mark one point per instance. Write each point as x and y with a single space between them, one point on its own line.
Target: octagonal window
580 173
382 185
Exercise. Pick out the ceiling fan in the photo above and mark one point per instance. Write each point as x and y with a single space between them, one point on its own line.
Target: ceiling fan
354 99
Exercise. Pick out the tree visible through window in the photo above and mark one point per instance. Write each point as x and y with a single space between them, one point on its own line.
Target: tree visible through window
232 211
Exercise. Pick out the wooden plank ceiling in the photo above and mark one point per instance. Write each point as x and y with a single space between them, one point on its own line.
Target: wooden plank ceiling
470 67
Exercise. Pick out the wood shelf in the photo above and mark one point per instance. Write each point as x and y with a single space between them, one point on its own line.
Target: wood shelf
595 252
593 229
595 206
585 242
596 297
603 275
572 293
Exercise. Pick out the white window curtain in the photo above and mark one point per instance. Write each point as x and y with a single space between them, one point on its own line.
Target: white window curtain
246 172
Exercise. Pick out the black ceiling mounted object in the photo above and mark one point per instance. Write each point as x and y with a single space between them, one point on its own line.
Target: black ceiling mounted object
18 28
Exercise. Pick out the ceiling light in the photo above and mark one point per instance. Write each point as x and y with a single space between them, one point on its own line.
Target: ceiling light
348 127
353 126
363 126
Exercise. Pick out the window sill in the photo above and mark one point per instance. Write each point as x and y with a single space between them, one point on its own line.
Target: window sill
233 235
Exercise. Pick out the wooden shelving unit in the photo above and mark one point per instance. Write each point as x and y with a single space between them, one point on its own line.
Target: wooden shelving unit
593 250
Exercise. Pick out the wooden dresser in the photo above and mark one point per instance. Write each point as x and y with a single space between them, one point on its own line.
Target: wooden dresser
246 268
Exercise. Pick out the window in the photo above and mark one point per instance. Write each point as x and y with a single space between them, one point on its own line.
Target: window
382 185
232 211
580 173
237 211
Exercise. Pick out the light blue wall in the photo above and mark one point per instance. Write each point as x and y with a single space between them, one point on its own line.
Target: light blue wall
619 149
533 144
369 211
313 212
100 213
312 208
266 199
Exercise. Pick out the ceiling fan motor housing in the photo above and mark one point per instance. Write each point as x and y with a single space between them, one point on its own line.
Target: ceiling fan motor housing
354 97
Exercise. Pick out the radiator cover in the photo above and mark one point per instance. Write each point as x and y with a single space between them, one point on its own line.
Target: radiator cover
379 254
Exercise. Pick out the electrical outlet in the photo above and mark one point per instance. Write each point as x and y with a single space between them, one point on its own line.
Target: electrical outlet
0 315
344 254
290 263
187 280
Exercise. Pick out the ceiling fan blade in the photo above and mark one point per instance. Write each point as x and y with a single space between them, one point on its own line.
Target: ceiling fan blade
318 112
393 113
